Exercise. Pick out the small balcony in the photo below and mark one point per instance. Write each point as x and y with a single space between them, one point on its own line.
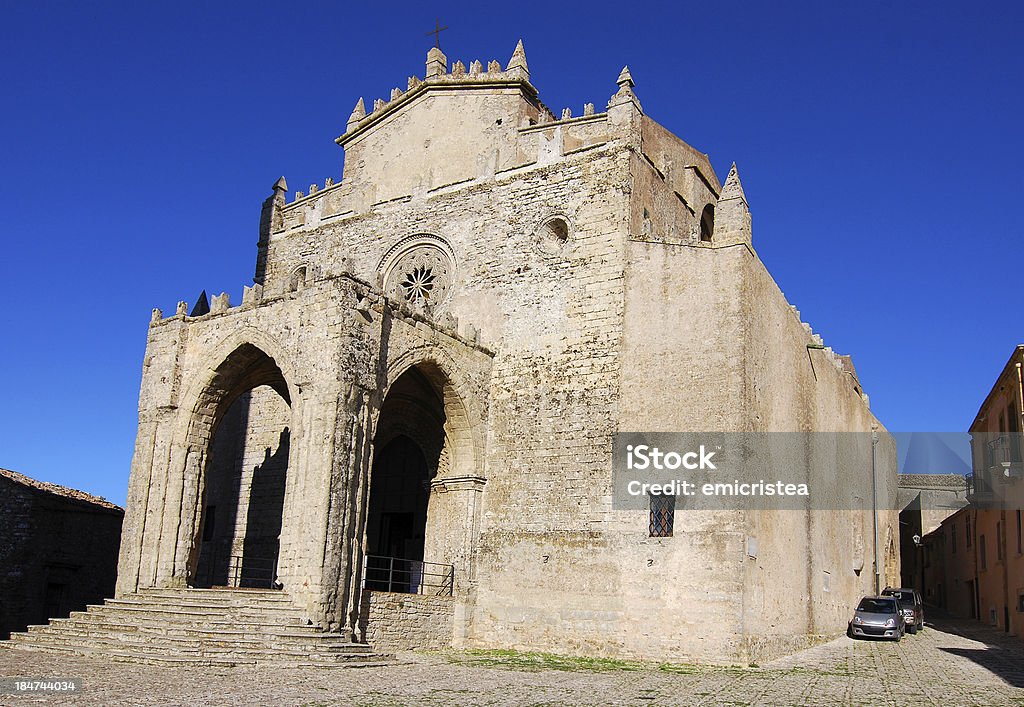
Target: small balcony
1003 459
979 489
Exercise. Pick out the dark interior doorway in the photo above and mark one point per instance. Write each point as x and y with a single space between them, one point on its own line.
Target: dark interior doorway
409 442
398 501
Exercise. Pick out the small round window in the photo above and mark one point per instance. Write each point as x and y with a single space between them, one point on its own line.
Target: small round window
557 229
552 236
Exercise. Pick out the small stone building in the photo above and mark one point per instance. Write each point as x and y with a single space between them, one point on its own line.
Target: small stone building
418 394
925 502
58 550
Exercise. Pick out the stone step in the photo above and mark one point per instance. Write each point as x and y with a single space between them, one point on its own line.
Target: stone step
375 661
166 613
109 622
272 632
128 656
171 615
199 602
198 627
207 596
219 623
197 650
129 622
210 590
310 641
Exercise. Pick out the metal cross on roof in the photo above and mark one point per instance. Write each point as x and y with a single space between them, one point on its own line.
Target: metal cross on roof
438 29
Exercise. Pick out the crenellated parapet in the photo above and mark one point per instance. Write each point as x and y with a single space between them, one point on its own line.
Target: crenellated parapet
314 189
438 75
252 296
370 301
841 362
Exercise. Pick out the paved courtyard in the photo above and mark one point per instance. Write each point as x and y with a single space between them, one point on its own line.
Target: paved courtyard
950 663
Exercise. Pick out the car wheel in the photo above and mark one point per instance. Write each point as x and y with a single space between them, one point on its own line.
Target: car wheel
849 630
898 637
912 629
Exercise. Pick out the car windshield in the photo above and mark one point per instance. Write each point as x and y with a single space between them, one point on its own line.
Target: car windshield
902 596
877 606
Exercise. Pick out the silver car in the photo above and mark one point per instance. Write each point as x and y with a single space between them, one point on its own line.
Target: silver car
877 617
913 607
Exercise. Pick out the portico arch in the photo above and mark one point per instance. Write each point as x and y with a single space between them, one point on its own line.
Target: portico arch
238 440
460 398
421 439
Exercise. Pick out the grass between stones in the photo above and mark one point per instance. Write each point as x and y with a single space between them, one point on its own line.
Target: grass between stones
529 661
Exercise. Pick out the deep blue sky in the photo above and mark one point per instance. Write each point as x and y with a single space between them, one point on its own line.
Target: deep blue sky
880 146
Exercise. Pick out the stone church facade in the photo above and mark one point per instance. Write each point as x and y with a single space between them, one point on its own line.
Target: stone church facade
431 365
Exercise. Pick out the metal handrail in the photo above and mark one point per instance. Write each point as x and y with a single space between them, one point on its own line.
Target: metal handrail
252 570
241 570
395 574
977 484
1003 449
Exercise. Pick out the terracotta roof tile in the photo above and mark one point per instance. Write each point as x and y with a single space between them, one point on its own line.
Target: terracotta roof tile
62 491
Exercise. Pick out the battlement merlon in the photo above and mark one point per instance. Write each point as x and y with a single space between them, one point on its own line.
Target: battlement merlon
438 78
458 123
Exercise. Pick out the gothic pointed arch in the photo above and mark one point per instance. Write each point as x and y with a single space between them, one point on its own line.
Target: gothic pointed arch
462 400
237 452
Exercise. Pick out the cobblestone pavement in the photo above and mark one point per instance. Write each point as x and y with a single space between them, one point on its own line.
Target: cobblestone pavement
950 663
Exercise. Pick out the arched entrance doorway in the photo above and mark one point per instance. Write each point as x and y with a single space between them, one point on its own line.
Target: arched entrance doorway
409 446
243 488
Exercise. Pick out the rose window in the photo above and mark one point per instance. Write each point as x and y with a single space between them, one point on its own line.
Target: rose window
421 276
416 285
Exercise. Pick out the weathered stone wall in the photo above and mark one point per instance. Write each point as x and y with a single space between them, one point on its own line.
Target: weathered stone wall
681 371
552 312
924 502
951 574
999 531
438 141
16 558
817 566
398 622
57 554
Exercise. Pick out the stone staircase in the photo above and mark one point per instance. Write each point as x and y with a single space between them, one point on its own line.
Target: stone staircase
198 627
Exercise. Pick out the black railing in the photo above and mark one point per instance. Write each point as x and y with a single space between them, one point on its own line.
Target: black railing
393 574
219 570
978 487
252 572
1003 452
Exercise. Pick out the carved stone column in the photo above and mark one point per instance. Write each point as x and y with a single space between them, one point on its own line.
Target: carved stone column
453 525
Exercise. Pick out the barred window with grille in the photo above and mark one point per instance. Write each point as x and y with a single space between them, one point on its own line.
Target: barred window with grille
663 512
